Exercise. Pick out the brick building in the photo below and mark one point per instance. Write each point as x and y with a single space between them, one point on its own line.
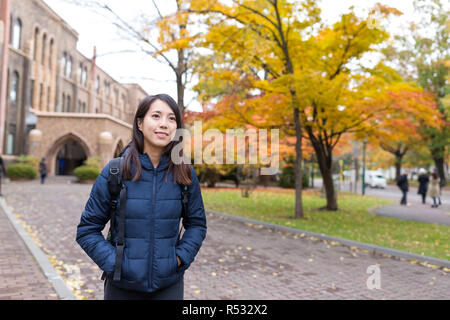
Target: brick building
54 101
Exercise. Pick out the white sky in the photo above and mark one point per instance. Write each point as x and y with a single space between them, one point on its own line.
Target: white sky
133 67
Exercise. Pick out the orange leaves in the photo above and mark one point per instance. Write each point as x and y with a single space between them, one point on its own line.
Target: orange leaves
385 10
404 110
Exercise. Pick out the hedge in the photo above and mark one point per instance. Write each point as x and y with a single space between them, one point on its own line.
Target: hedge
86 173
21 170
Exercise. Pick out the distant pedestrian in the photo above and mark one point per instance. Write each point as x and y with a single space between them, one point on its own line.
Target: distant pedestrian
62 162
2 173
43 170
402 183
435 192
423 184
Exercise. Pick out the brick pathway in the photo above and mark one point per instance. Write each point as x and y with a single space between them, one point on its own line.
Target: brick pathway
20 276
237 260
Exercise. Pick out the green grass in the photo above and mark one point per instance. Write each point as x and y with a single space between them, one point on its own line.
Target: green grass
352 220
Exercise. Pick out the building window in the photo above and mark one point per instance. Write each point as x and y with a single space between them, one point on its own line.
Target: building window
32 93
63 103
41 95
84 77
35 41
84 107
107 89
17 34
63 63
11 29
14 93
48 98
80 73
50 55
69 67
11 135
68 104
116 96
44 47
97 85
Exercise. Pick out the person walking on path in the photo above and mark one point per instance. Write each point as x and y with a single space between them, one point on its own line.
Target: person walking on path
154 256
423 184
43 169
435 192
2 173
402 183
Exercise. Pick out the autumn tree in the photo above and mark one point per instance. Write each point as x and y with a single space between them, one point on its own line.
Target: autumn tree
408 109
307 85
254 37
422 54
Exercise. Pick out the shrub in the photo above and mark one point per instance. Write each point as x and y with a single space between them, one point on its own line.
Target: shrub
93 162
21 170
29 160
86 173
287 177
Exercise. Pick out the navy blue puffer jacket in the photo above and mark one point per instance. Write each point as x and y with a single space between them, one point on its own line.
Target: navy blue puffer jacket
153 212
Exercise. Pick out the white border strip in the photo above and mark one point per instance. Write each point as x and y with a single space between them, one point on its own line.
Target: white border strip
55 279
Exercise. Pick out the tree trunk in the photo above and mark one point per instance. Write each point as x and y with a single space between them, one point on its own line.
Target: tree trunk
398 165
325 166
180 93
330 191
298 165
356 175
439 162
238 178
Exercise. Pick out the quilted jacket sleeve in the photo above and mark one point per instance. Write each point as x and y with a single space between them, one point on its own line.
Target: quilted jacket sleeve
195 225
93 220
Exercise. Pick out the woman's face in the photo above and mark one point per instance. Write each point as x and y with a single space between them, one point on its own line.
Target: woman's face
159 125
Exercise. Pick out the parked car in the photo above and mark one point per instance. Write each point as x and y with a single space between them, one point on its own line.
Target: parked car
375 179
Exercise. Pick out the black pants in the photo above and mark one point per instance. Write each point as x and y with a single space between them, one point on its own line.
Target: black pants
403 201
436 201
424 195
173 292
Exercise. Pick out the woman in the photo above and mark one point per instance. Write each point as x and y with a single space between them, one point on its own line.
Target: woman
423 184
435 193
154 260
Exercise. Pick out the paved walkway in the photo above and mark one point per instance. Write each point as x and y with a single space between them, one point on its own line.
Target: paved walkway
237 261
20 275
415 210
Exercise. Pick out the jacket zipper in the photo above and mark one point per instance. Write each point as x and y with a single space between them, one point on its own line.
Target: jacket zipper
152 222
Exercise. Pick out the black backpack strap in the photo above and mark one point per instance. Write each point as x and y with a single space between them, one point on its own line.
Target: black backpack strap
115 188
120 245
184 202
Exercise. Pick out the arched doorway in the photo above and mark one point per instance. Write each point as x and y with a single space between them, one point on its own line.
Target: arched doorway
69 156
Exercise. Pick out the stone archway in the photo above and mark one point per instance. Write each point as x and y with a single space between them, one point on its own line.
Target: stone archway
67 153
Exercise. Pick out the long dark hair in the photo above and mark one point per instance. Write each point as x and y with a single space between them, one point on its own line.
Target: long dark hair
181 172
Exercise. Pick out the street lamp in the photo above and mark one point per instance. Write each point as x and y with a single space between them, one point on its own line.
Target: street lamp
364 167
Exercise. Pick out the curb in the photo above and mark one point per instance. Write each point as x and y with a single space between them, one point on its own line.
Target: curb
345 242
53 277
